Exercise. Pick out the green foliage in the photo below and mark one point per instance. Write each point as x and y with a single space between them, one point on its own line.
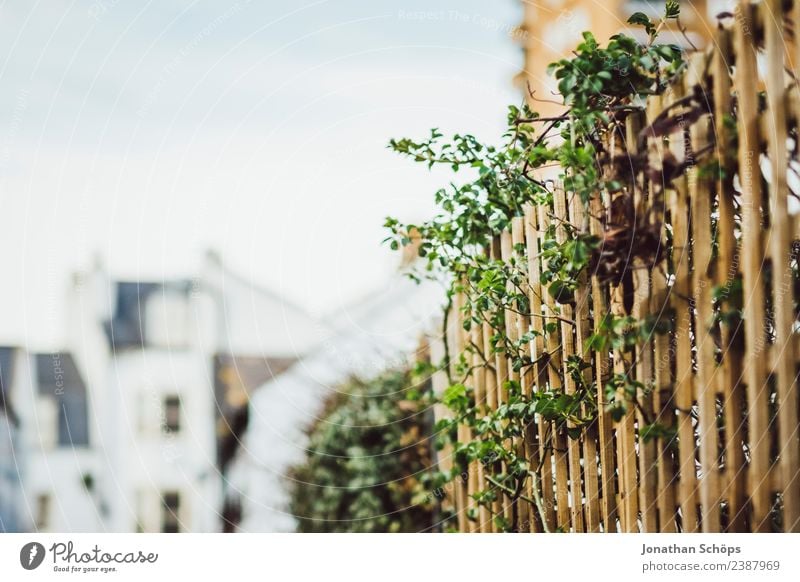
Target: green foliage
671 11
368 461
565 262
728 302
621 333
599 77
620 391
656 430
600 86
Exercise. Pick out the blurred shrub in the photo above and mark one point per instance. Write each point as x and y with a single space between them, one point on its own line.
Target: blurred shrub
368 461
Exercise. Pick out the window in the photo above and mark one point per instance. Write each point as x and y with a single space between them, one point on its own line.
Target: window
172 414
169 512
63 392
42 511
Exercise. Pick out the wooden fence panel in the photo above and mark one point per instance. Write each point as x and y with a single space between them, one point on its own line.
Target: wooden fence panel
710 440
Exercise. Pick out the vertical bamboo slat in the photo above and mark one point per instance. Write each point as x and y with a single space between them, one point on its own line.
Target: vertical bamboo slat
539 356
479 374
568 351
557 437
610 512
509 319
680 302
684 398
582 333
462 483
752 258
513 323
439 383
490 379
623 368
640 309
729 375
626 451
700 194
529 443
501 377
663 388
779 250
464 348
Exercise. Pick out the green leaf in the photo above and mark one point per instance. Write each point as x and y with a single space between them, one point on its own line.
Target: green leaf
641 19
672 9
574 433
647 62
669 52
561 292
454 394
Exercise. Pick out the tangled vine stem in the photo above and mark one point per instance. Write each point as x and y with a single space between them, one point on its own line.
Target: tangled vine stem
599 86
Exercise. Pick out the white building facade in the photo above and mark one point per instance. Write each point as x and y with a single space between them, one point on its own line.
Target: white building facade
132 425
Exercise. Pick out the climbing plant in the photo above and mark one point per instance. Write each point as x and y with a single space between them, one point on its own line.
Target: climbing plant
600 85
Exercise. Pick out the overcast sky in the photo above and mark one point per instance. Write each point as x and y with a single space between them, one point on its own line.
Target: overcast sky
147 132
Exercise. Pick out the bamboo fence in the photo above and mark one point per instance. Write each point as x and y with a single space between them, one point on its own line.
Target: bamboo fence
727 391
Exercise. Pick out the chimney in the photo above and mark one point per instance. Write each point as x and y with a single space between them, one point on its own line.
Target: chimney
411 250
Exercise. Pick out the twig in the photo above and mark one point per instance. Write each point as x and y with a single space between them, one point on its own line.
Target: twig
683 32
532 95
535 119
445 341
537 496
509 490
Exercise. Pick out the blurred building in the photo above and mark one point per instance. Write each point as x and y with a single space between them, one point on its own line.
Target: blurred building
11 498
380 332
132 425
552 28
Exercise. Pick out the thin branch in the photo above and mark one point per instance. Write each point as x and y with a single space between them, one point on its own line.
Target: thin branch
538 119
685 34
532 95
445 338
509 490
537 496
